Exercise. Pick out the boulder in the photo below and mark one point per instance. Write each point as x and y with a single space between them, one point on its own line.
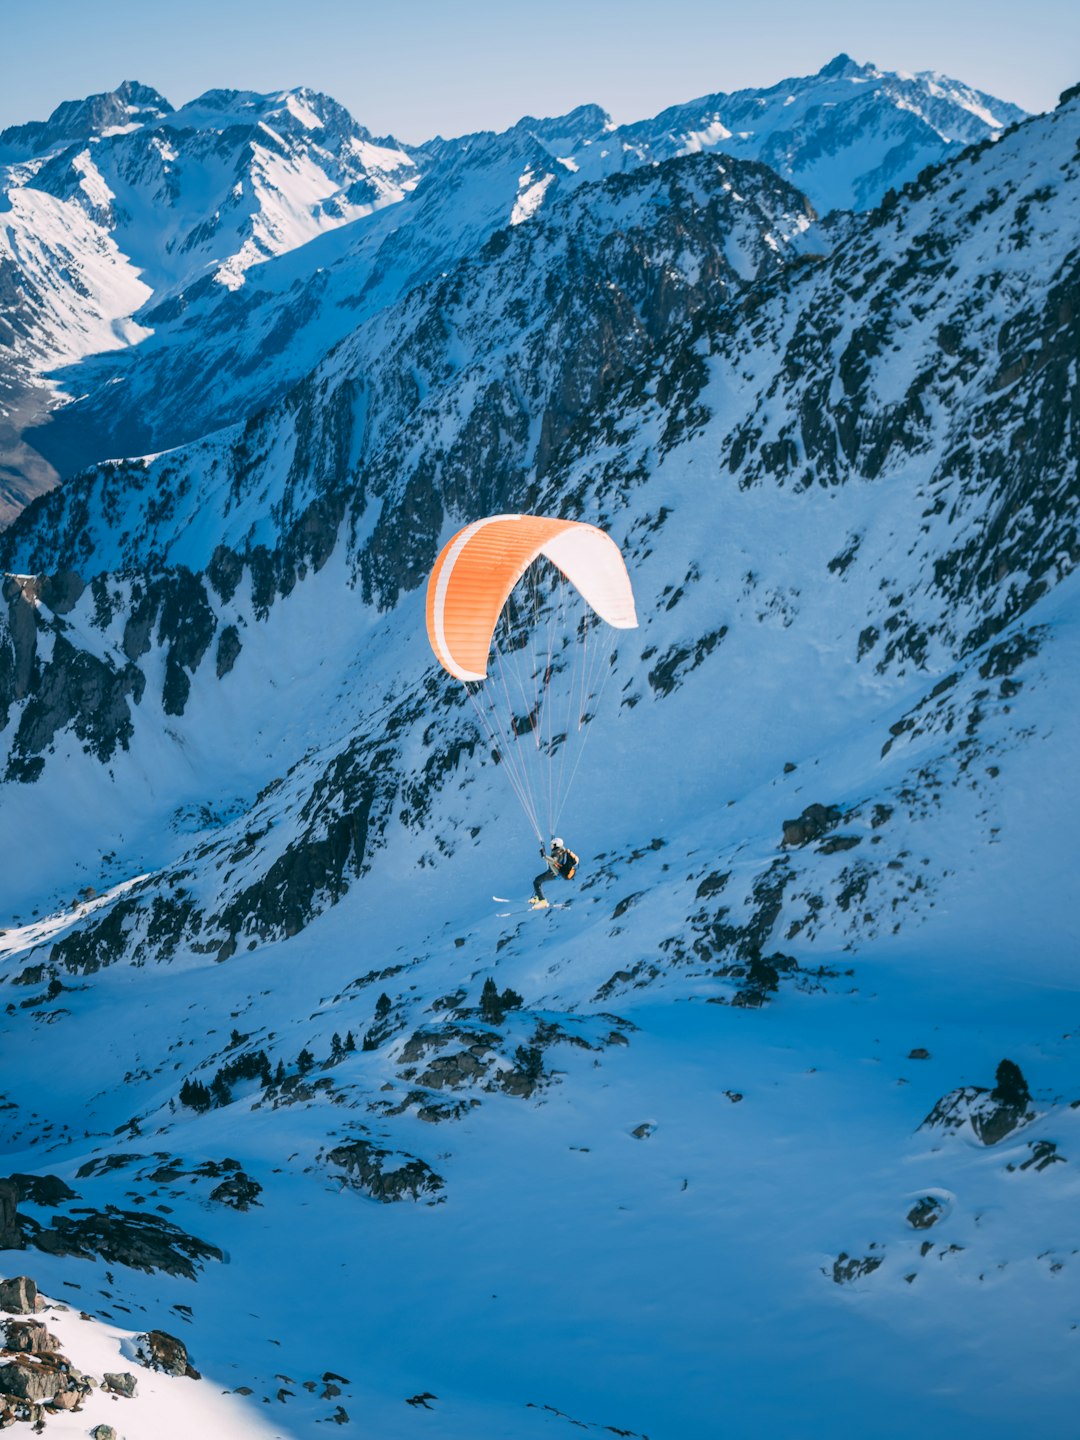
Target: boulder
120 1383
103 1432
158 1350
19 1296
815 821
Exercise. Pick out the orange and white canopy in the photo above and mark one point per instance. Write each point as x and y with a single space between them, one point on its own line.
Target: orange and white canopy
478 568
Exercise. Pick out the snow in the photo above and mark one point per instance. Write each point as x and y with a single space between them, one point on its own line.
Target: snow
572 1275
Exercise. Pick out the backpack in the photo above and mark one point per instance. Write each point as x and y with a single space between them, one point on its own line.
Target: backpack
568 865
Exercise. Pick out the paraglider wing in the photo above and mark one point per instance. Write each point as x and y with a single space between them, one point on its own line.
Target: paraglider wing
477 569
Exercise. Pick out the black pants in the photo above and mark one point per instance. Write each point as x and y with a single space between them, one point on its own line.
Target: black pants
540 881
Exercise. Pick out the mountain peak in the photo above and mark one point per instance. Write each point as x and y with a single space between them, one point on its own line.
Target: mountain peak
843 64
128 107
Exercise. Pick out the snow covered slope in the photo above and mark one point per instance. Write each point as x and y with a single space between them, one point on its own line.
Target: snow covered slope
727 1144
227 339
119 207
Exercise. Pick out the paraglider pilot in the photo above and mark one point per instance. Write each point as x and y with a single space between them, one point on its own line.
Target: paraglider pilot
561 862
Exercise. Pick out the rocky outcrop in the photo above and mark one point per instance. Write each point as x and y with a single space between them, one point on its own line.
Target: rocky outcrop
990 1114
11 1236
366 1166
925 1213
28 1337
127 1237
48 1190
19 1296
814 822
43 1379
158 1350
846 1268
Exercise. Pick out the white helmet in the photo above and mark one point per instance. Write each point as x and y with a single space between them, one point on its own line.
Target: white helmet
557 843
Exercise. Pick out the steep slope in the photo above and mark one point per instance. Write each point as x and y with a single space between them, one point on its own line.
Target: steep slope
739 1110
119 208
844 136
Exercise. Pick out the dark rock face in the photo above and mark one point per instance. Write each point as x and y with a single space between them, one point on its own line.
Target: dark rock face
364 1161
847 1268
11 1236
239 1192
815 821
43 1189
126 1237
158 1350
19 1296
925 1213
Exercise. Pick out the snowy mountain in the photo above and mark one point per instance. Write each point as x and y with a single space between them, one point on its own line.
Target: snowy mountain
771 1130
190 200
120 208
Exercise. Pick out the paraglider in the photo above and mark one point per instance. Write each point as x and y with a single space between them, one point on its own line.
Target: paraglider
522 609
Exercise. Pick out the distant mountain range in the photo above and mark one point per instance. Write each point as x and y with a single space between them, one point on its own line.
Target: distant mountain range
132 229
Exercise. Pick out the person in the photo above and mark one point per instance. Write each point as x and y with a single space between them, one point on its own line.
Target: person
561 862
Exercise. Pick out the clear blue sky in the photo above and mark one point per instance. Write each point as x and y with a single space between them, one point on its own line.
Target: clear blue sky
427 66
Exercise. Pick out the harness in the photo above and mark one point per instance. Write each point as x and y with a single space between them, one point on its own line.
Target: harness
567 865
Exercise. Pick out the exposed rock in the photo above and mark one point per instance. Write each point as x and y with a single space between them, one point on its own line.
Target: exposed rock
11 1236
364 1161
925 1213
239 1191
28 1337
158 1350
919 1053
643 1131
973 1105
836 843
103 1432
120 1383
29 1379
43 1189
127 1237
847 1268
61 592
815 821
1043 1155
19 1296
40 1379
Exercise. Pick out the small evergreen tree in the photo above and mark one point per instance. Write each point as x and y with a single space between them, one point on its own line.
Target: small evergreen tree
530 1061
195 1095
382 1006
350 1043
1011 1088
336 1048
279 1073
219 1089
304 1061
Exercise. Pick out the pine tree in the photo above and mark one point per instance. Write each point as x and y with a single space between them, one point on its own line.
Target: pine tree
1011 1088
304 1061
350 1043
382 1006
336 1050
